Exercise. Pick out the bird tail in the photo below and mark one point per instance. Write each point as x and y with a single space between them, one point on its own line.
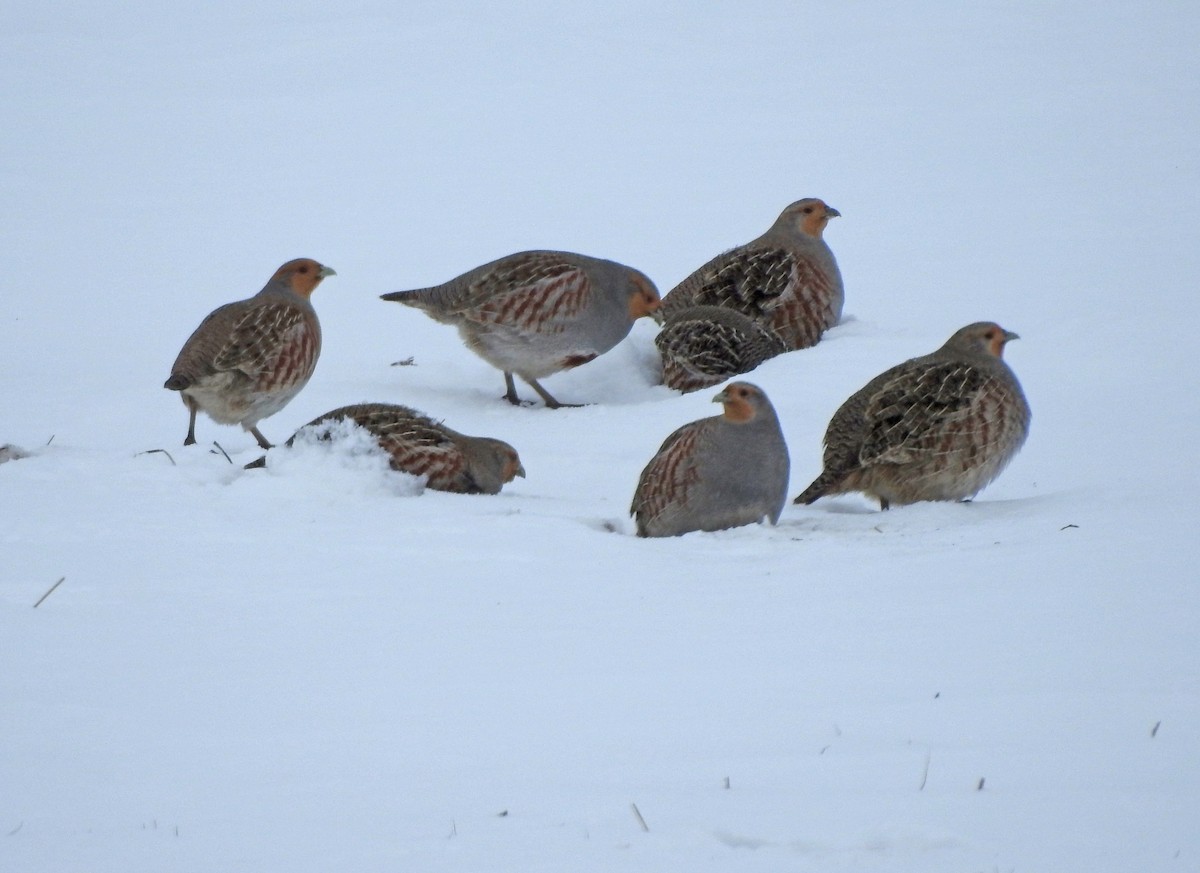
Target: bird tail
419 297
821 486
434 302
408 297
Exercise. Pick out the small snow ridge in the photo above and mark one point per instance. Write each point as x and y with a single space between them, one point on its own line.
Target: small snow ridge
9 452
337 450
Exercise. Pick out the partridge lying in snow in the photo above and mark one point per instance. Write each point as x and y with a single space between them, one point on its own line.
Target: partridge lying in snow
938 427
787 279
423 447
248 359
536 313
716 473
704 345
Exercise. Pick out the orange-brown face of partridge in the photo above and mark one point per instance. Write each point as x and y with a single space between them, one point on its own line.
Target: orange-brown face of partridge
645 300
995 337
739 399
303 275
811 215
513 467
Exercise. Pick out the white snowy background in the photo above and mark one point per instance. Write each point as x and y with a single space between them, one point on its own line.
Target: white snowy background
316 667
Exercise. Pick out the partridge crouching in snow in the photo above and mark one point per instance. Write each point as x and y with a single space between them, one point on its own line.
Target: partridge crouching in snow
535 313
787 279
423 447
716 473
703 346
248 359
938 427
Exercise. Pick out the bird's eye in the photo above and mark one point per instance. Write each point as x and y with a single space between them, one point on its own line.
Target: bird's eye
303 270
807 210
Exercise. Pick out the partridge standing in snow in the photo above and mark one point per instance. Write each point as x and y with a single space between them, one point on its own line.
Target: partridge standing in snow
716 473
787 278
938 427
423 447
702 346
536 313
248 359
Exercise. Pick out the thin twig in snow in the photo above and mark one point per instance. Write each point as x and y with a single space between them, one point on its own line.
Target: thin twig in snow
1154 730
638 815
223 452
48 593
925 773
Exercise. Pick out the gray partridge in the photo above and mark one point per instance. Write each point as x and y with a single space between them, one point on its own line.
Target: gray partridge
787 279
536 313
716 473
248 359
703 346
423 447
938 427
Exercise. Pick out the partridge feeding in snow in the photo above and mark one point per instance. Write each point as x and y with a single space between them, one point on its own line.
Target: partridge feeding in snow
716 473
248 359
423 447
704 345
787 279
938 427
536 313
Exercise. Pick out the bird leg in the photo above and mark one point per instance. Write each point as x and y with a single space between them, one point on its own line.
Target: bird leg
262 440
551 403
190 440
511 394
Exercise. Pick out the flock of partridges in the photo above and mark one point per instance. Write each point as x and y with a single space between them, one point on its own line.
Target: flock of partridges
937 427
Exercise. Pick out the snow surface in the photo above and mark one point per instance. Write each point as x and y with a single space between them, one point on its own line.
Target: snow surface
318 667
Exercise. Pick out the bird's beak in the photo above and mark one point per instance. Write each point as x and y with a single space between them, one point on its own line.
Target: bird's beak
326 271
520 470
720 398
831 212
1009 336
